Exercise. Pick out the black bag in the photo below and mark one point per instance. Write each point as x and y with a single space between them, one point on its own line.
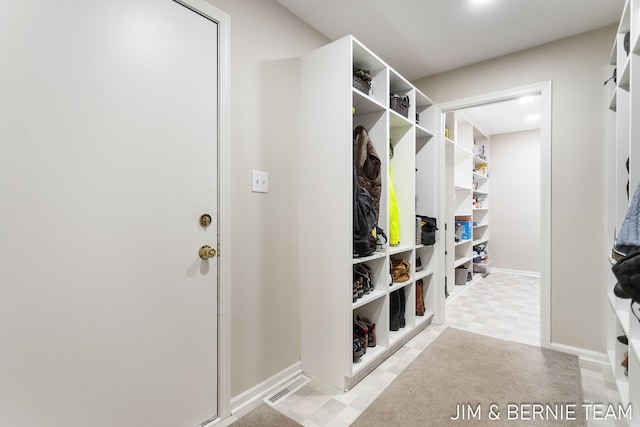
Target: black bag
428 230
627 271
364 221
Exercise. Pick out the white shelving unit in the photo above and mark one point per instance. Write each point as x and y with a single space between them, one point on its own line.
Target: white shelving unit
467 199
326 162
624 143
480 176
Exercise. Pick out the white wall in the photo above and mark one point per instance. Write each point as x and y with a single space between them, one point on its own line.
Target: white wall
577 66
266 42
514 192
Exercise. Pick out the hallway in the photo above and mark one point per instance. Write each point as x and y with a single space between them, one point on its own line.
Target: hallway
501 305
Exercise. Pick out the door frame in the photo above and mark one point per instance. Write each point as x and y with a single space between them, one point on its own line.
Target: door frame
545 90
224 198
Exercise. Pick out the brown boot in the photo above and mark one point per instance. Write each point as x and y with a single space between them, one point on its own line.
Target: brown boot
419 298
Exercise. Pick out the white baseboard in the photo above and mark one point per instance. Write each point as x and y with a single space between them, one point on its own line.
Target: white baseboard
588 355
520 272
261 390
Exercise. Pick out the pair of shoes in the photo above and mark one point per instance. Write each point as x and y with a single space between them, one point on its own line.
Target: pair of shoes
358 289
358 349
360 331
370 327
362 281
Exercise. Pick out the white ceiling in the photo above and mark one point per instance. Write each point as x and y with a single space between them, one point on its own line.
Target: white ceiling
512 115
419 38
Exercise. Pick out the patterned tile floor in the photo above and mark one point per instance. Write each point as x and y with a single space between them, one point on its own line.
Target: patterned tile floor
501 305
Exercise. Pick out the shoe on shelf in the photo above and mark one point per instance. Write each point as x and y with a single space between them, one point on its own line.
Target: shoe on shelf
622 339
361 331
418 264
358 349
371 328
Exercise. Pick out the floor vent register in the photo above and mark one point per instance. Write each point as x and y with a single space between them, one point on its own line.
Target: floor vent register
286 391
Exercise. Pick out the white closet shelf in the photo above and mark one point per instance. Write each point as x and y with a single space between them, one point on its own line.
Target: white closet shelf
462 261
424 273
479 161
375 255
367 298
462 242
479 176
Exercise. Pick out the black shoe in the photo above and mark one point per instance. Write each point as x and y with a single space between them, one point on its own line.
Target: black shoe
617 290
623 339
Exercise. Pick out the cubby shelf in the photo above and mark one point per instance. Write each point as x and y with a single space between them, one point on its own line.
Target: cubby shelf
330 110
465 185
623 114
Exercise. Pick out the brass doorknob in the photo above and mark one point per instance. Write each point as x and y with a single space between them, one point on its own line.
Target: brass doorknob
207 252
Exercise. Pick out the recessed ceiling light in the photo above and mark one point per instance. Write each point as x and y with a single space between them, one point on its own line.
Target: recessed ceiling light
533 117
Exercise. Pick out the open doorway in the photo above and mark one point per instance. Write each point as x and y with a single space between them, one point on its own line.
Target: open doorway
507 230
501 121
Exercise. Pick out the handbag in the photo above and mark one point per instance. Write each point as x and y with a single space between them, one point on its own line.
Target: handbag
400 270
627 271
427 230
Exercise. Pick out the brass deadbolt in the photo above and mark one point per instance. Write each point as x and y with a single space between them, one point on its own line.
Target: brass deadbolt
207 252
205 220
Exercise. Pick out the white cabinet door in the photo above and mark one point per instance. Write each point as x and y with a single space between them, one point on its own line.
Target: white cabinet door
108 154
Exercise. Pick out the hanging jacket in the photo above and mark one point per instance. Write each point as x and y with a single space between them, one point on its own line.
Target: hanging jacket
394 216
629 236
368 165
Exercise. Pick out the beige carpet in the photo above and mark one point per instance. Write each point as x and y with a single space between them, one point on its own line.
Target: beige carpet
475 371
264 416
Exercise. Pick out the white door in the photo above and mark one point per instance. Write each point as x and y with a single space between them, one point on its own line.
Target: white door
108 157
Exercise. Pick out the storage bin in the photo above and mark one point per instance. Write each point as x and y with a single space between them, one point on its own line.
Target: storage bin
462 275
400 104
464 230
361 85
480 268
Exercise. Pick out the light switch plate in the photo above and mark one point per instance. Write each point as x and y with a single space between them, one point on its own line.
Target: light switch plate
259 182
